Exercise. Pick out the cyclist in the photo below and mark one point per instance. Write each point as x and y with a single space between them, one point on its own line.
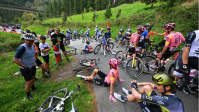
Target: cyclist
96 31
75 33
106 39
24 57
129 30
68 37
173 40
135 38
82 32
100 34
147 97
106 80
125 36
189 57
150 33
88 48
62 32
120 33
87 34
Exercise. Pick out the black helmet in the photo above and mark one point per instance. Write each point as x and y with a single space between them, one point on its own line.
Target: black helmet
88 42
147 25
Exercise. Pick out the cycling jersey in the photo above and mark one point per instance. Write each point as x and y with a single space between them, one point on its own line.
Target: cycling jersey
96 30
89 48
107 35
112 76
100 34
166 103
121 31
134 38
129 30
192 41
174 40
143 36
150 33
165 35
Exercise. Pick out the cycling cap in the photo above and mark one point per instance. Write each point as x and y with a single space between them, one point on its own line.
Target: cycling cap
163 79
170 25
147 25
108 28
29 36
114 62
87 42
141 28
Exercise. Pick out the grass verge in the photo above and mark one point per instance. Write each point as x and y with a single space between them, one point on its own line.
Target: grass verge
12 88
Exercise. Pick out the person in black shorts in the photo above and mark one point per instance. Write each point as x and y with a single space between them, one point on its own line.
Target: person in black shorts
60 38
24 57
148 99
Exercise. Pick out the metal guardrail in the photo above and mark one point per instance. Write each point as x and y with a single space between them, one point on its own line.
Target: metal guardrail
3 6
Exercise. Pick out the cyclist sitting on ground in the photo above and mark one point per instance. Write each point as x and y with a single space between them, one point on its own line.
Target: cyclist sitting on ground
106 39
106 80
125 36
88 48
13 30
188 58
173 40
147 97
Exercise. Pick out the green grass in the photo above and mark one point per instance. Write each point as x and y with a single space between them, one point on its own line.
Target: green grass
9 41
13 95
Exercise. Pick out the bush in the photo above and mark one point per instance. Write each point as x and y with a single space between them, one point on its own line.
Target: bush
118 13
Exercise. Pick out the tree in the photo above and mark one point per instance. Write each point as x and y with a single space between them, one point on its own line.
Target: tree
108 13
75 7
39 16
59 11
54 8
50 8
47 12
89 4
90 9
85 10
28 16
97 4
82 15
147 2
118 13
16 20
94 16
0 19
64 17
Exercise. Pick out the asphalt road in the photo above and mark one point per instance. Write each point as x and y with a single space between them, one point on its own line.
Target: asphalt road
102 93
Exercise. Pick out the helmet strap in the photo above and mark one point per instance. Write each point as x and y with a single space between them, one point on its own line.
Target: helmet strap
164 90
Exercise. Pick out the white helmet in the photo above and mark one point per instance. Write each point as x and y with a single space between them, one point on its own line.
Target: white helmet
22 36
102 28
96 26
29 36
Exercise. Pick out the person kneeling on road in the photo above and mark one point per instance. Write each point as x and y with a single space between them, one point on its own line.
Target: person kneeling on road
106 80
24 57
147 97
88 48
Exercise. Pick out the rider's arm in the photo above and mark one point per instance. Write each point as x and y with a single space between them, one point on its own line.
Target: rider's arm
160 34
145 83
111 88
185 55
168 40
164 50
134 43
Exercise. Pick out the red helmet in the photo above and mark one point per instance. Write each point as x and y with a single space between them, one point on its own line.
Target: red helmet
114 62
141 28
170 25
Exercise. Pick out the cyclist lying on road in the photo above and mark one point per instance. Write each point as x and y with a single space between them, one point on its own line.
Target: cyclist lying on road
88 48
147 97
106 80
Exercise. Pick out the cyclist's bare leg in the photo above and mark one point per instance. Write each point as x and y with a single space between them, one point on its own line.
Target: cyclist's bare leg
104 47
109 48
95 71
43 69
28 85
143 51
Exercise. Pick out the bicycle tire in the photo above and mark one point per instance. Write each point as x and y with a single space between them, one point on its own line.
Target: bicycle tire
97 48
73 38
119 56
111 45
54 101
170 69
84 62
130 73
146 60
78 69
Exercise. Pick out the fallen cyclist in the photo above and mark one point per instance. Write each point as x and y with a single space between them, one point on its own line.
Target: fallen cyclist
88 48
147 97
106 80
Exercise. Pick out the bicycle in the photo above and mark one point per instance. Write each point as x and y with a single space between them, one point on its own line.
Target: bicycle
153 64
83 39
71 51
118 38
181 84
86 64
55 102
98 47
130 62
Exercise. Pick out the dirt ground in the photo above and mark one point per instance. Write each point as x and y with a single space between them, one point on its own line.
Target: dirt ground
66 72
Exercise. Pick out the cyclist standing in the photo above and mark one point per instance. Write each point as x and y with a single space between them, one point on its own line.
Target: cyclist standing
147 97
188 58
173 40
24 57
96 31
106 39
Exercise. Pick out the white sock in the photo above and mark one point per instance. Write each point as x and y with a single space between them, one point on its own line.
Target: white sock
104 52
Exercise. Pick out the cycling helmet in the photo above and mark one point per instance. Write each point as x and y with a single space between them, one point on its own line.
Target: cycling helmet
170 25
22 36
29 36
114 62
141 28
147 25
87 42
96 26
163 79
108 28
102 29
129 33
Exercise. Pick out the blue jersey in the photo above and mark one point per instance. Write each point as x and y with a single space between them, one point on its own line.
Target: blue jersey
129 30
143 36
107 35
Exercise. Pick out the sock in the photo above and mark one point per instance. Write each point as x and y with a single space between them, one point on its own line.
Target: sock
112 51
28 93
124 98
130 92
104 52
33 87
91 75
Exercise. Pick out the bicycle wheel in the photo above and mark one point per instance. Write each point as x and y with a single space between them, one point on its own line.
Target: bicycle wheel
73 38
84 62
119 56
91 39
150 64
60 93
78 69
131 67
171 69
83 39
97 48
111 45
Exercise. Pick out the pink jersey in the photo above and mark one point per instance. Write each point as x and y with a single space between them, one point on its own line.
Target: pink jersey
173 40
112 76
134 38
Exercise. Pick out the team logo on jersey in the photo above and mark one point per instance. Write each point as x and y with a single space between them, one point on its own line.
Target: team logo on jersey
160 102
177 67
166 98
